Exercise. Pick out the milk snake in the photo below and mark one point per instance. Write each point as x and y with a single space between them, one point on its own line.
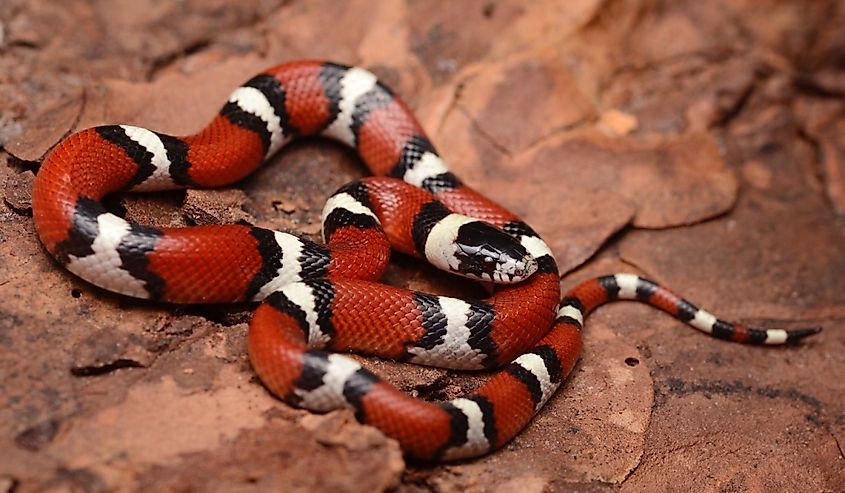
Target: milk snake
326 297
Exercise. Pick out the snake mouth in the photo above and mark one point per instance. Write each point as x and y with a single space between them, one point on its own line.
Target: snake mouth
485 253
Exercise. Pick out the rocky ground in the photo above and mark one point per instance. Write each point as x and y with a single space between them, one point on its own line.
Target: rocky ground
701 144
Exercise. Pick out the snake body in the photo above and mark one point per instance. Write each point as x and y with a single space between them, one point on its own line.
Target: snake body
319 299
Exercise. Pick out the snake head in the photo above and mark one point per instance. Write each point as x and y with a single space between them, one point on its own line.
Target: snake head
486 253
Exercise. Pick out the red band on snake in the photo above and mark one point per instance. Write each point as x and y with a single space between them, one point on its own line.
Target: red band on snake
321 298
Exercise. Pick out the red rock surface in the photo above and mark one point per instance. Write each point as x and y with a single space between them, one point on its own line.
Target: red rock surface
700 144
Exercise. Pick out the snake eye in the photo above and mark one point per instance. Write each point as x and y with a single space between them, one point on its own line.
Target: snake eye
486 253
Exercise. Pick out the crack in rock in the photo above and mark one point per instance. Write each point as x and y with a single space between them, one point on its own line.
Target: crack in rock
97 370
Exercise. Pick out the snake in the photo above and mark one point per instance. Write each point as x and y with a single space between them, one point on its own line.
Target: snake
321 299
